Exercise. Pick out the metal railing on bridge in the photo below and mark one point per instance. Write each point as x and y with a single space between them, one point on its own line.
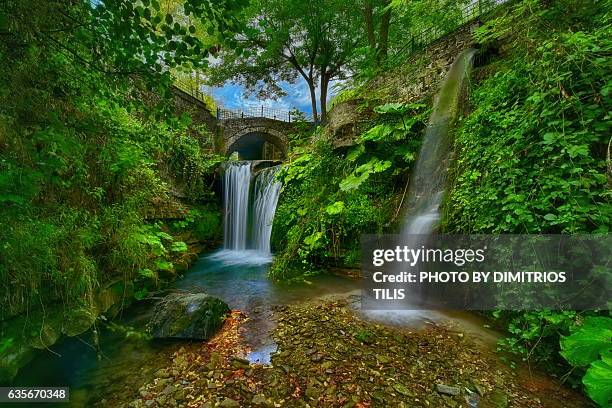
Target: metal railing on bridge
254 112
194 90
470 12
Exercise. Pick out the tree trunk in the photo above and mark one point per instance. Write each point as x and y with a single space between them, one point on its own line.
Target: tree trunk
324 87
313 99
368 14
383 40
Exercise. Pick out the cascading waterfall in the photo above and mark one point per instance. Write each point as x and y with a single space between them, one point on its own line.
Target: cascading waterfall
428 181
240 207
236 183
266 193
430 172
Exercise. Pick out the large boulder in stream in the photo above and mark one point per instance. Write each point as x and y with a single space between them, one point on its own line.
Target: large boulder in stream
188 316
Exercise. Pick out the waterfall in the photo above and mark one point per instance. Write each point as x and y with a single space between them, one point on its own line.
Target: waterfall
266 193
429 175
236 183
245 213
430 172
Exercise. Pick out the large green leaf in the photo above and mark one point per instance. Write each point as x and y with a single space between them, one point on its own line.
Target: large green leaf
396 107
179 246
586 344
335 208
598 380
377 133
355 153
361 174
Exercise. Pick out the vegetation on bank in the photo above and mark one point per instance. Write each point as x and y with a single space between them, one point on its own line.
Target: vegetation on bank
89 146
331 196
530 158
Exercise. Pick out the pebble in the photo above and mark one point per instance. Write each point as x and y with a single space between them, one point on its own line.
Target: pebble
229 403
447 389
260 400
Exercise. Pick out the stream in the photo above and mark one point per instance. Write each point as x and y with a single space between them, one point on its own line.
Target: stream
239 278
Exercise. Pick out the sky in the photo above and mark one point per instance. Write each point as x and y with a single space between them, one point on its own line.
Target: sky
233 96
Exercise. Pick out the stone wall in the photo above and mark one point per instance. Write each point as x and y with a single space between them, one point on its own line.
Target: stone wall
199 113
416 79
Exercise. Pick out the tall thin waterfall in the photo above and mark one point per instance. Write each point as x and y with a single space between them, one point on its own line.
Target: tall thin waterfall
248 218
266 193
236 183
430 172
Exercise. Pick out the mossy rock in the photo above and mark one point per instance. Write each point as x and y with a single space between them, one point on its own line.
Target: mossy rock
78 321
496 399
188 316
47 337
12 357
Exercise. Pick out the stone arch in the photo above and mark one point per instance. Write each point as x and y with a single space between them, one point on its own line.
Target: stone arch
265 133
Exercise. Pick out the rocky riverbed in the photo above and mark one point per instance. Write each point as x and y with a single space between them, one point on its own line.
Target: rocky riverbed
330 357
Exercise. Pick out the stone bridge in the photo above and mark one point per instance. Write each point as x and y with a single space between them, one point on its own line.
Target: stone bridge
254 134
255 137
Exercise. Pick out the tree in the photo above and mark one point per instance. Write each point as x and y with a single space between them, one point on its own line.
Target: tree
285 40
377 14
120 38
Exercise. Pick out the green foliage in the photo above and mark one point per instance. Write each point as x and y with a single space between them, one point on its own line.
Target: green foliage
192 168
285 40
203 221
85 148
365 336
534 335
590 344
534 146
598 380
330 197
591 339
531 158
363 172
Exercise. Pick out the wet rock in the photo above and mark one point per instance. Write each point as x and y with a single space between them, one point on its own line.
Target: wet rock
168 390
78 321
473 400
47 337
188 316
447 389
229 403
179 395
402 389
496 399
215 359
260 401
238 362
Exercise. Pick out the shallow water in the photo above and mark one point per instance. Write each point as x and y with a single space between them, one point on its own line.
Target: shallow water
240 279
237 277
